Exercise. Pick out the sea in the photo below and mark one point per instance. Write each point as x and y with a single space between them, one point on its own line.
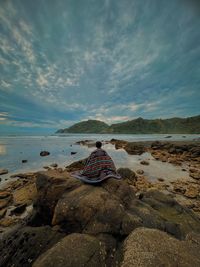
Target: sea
14 149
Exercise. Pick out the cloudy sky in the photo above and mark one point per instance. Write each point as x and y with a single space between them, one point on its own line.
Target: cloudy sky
70 60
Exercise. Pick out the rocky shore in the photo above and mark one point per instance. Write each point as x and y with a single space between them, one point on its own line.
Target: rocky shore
48 218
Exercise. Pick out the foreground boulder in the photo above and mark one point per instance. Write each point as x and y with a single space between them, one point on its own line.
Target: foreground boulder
150 247
22 245
73 251
111 208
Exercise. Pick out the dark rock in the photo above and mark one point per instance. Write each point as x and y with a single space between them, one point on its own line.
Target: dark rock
74 250
3 171
140 172
54 165
169 136
144 162
24 160
19 209
22 246
128 175
73 153
44 153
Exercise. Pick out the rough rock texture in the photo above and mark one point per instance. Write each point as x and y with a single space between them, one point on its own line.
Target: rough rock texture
73 251
128 175
151 247
111 208
21 246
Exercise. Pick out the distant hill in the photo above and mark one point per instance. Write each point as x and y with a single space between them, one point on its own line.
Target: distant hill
189 125
90 126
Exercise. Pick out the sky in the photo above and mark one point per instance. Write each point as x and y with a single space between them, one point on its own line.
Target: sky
66 61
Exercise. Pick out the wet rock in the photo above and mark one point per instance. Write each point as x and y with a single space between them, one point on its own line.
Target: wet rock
54 165
24 161
140 172
144 162
22 246
128 175
169 136
3 171
73 152
44 153
192 191
194 173
133 149
46 167
72 251
2 213
4 202
161 179
150 247
4 194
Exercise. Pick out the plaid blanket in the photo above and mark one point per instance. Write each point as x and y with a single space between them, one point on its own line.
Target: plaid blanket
98 162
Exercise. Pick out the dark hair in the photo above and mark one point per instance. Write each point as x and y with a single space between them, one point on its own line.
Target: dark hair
98 144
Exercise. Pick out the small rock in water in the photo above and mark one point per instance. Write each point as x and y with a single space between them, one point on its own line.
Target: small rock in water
144 162
73 153
140 172
3 171
169 136
54 165
24 160
46 167
161 179
44 153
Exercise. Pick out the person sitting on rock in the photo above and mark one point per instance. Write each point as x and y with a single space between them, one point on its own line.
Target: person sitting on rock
99 164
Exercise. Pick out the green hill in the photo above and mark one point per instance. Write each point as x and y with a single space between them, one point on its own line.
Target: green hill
189 125
89 126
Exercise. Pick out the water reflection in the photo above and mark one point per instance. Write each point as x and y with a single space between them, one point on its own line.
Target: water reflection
2 149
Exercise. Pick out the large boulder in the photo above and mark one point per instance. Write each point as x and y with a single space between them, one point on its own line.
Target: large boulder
21 246
96 210
74 250
150 247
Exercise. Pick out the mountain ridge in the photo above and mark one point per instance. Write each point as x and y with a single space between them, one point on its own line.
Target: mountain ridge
175 125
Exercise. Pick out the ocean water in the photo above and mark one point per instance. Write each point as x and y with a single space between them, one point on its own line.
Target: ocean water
14 149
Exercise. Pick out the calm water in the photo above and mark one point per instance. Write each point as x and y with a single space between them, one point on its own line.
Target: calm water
14 149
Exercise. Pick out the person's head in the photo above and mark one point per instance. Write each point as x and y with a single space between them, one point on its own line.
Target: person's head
98 144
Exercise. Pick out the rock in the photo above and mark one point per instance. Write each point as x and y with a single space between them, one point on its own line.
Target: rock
73 153
3 171
161 179
25 194
144 162
54 165
44 153
24 160
140 172
19 209
169 136
127 175
46 167
21 246
4 194
4 202
192 191
2 213
151 247
72 251
77 165
194 173
133 149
